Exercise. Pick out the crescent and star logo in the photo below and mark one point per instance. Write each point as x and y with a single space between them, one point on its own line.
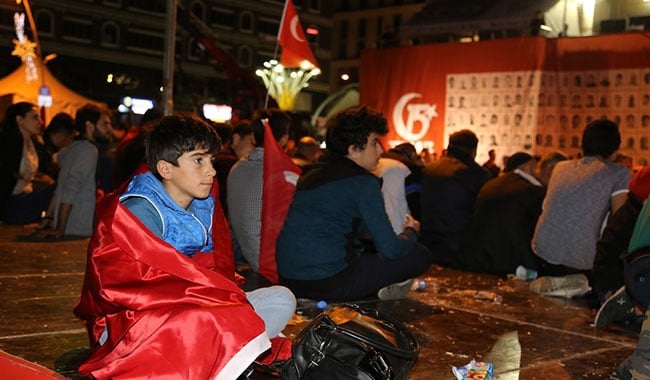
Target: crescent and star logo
293 26
417 114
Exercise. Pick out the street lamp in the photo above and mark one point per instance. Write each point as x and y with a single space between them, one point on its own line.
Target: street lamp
284 84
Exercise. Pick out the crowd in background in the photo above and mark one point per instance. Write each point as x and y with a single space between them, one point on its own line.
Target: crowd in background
365 219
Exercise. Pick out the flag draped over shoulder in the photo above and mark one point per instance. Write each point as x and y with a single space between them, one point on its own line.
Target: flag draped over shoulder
279 185
295 48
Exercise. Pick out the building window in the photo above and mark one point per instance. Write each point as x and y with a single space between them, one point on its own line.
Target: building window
344 29
246 22
314 6
198 9
113 3
361 31
245 56
77 29
268 26
110 34
222 18
196 50
145 41
45 22
148 6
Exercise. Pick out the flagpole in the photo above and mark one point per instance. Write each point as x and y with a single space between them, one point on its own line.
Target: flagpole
277 44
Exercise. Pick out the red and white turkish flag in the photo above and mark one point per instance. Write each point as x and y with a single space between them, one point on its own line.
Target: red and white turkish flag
279 185
295 48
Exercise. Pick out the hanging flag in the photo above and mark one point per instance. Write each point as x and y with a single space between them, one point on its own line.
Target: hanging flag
295 48
279 184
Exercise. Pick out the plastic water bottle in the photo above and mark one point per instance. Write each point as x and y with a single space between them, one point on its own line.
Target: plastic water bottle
306 303
526 274
419 285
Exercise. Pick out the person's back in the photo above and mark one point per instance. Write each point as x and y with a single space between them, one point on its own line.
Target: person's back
407 155
580 194
245 183
449 189
241 144
73 206
506 212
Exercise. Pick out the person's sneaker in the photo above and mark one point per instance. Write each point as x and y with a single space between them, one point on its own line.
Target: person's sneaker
395 291
564 286
618 307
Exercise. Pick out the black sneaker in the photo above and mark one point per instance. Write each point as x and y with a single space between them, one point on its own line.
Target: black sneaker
619 307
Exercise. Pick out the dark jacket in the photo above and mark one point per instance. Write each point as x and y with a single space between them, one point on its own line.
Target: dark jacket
320 235
505 215
11 153
449 189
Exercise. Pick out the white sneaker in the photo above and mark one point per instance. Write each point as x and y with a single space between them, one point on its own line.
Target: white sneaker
565 286
395 291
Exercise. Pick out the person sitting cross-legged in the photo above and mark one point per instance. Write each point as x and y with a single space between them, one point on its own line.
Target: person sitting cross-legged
319 255
160 297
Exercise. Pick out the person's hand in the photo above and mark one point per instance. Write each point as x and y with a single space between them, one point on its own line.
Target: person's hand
412 223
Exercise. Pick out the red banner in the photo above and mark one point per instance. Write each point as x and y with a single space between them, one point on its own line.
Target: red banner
280 177
530 94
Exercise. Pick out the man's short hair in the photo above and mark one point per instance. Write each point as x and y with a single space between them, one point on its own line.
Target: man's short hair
516 160
87 112
601 138
464 140
278 120
176 135
352 127
552 158
243 128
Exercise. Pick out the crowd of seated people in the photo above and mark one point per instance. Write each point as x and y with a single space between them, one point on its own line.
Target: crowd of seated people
363 222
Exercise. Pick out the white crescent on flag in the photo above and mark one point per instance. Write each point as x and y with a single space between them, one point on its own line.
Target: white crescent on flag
295 23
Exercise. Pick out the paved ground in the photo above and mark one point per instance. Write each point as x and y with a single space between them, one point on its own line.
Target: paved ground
526 336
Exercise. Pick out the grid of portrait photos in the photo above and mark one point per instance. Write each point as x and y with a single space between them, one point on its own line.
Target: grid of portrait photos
541 111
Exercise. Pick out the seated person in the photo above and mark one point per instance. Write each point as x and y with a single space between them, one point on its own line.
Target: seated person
319 254
72 207
24 192
607 273
159 298
308 151
505 215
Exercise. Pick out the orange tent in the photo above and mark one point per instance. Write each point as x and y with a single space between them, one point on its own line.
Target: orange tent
14 88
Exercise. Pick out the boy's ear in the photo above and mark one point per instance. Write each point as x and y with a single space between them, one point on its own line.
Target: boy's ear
352 151
164 169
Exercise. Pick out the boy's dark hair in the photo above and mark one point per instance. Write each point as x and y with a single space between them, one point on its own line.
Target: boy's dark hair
61 123
278 120
87 112
601 138
352 127
178 134
464 140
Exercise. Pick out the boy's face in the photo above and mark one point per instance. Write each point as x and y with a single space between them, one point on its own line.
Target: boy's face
368 157
192 178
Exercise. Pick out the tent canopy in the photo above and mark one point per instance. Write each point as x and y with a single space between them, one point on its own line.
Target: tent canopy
16 87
